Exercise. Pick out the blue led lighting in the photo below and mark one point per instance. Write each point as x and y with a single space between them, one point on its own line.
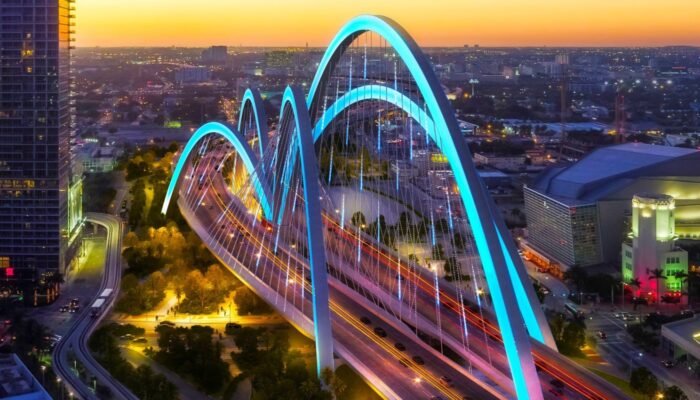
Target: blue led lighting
249 159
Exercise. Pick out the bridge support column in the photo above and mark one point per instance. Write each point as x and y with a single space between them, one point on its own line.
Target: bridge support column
323 335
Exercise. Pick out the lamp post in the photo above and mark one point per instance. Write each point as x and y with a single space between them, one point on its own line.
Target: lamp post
43 375
60 388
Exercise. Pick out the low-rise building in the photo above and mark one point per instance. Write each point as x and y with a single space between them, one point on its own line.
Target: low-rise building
507 163
17 382
680 341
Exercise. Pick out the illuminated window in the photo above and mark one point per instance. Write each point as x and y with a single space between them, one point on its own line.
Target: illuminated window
4 262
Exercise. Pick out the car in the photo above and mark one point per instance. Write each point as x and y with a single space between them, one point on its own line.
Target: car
400 346
166 323
63 308
366 321
640 301
379 331
418 360
557 383
556 392
75 301
140 340
602 335
668 363
232 326
127 336
446 380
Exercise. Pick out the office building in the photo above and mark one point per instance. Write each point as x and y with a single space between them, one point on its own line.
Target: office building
579 214
40 201
215 55
652 246
192 75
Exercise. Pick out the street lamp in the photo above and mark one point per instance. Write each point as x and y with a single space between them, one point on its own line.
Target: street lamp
60 388
43 374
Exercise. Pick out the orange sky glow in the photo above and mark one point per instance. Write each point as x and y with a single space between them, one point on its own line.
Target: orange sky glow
431 22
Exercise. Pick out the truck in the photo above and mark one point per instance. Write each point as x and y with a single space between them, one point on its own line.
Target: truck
97 307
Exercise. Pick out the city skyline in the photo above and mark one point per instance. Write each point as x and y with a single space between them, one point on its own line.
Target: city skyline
514 23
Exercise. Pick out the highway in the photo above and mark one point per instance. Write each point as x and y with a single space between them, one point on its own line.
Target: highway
76 339
551 366
394 372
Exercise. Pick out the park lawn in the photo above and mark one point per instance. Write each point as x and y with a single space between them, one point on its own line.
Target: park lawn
620 383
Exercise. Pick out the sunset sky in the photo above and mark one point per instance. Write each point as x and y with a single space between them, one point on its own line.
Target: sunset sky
431 22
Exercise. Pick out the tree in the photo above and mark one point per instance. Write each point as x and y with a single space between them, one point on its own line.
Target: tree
460 242
557 324
453 269
573 337
674 393
156 282
438 252
196 287
131 239
683 277
220 281
577 276
657 275
644 382
358 219
634 282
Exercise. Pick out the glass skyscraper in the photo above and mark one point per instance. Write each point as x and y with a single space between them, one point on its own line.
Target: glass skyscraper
40 213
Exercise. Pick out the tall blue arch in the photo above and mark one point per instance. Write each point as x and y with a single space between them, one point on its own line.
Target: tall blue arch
513 297
293 101
250 162
253 100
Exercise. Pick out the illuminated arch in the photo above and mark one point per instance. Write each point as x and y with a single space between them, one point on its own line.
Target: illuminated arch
252 99
511 291
250 161
373 92
293 101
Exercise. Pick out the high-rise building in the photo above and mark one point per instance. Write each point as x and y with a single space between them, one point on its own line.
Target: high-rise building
40 201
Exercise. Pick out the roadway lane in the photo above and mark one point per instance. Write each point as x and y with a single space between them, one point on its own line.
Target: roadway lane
350 333
76 339
485 344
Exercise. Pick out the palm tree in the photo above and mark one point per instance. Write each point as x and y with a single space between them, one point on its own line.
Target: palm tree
635 283
657 275
683 277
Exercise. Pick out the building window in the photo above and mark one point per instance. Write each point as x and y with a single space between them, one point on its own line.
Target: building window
4 262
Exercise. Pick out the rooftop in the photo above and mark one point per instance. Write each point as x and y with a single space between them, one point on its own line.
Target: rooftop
685 334
604 169
16 382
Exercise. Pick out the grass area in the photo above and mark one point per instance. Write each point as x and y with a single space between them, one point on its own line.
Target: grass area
620 383
357 389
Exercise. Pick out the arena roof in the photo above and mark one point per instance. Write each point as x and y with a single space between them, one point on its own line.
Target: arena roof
608 168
